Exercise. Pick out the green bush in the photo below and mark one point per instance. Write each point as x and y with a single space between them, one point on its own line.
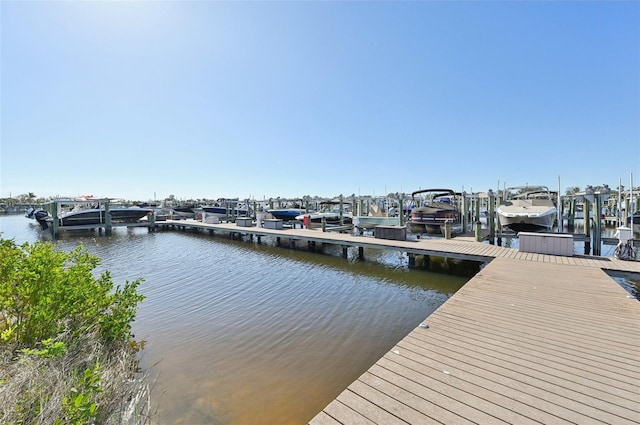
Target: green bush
67 353
45 291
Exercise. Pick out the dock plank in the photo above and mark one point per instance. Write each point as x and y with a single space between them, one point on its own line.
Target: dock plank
383 394
435 405
368 406
481 406
546 367
323 418
526 341
494 379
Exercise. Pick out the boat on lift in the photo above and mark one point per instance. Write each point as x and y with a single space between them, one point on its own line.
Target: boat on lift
329 213
95 212
225 208
528 209
433 209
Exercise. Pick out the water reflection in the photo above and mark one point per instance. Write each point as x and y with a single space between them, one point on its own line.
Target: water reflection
245 333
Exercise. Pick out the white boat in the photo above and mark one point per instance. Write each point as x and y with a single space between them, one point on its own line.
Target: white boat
370 222
376 216
183 211
528 209
330 214
286 213
289 209
224 209
95 213
89 211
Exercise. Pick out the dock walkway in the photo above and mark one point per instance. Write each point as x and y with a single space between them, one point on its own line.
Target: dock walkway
458 248
531 339
522 342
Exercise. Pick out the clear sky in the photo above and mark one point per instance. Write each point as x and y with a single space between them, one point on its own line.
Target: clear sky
209 99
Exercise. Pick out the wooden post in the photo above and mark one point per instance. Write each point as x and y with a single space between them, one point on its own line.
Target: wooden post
55 223
345 251
491 218
107 218
447 230
572 215
476 210
464 212
360 253
597 231
587 228
152 221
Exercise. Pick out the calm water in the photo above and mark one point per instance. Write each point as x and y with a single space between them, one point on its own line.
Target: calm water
240 333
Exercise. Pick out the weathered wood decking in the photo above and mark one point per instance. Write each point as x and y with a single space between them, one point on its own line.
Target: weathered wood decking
523 342
459 248
531 339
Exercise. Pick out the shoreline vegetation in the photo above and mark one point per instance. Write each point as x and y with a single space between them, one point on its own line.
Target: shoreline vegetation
67 354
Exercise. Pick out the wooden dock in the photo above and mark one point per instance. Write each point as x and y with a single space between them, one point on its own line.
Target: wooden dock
522 342
531 339
463 248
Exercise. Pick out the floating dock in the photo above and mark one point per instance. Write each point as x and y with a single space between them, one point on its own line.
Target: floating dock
532 338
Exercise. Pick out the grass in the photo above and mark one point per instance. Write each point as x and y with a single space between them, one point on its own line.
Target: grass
37 389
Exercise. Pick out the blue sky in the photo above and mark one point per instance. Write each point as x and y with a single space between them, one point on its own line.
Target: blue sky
209 99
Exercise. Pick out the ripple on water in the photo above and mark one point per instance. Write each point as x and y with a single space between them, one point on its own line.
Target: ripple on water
240 333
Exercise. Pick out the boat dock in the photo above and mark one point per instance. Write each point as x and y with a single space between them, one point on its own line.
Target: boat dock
522 342
462 248
532 338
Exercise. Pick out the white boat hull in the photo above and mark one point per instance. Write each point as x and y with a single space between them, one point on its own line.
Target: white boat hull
224 212
366 222
329 217
527 215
